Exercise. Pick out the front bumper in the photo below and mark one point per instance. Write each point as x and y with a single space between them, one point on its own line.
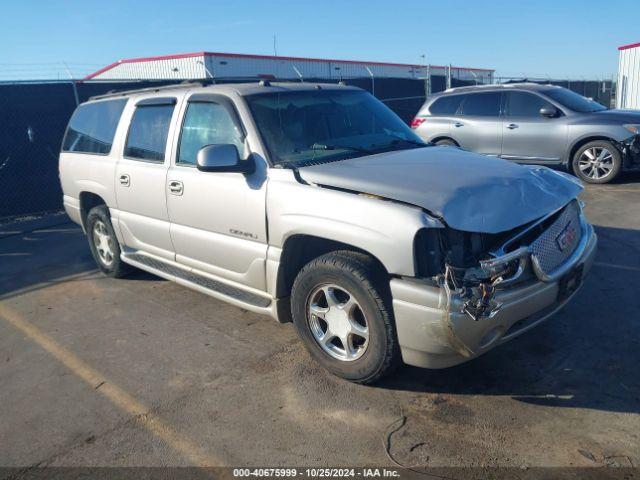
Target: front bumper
433 333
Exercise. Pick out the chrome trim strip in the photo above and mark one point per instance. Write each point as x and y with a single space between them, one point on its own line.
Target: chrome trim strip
500 251
524 254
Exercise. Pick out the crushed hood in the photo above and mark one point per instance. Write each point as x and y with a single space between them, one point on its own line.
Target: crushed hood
470 192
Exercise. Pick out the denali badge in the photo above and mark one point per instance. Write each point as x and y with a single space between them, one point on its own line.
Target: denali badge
566 237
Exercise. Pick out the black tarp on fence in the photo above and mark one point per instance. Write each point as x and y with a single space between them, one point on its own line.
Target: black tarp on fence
34 117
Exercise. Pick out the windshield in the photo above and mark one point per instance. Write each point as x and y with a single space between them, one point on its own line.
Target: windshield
574 101
311 126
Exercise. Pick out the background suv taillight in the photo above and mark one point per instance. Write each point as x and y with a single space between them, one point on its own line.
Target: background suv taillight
417 121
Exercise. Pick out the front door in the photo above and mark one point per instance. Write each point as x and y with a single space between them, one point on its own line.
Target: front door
141 177
527 136
218 220
478 126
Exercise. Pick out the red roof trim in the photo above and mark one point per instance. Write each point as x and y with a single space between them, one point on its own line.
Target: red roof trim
631 45
269 57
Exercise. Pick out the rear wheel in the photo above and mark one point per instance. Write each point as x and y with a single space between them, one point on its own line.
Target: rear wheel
104 244
447 142
597 162
342 312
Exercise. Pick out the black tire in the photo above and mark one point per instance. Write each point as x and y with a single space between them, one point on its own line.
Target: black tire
616 161
360 276
447 142
116 268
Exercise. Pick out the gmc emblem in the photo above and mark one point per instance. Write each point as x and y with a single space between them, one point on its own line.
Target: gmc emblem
566 237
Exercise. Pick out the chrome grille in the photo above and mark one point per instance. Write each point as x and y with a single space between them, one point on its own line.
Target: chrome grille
557 243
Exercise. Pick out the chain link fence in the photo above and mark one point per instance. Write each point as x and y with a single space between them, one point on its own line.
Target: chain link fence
34 116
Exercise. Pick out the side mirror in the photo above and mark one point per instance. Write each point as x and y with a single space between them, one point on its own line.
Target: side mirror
549 112
223 158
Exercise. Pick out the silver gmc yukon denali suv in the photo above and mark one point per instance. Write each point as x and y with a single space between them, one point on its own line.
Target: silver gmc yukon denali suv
316 204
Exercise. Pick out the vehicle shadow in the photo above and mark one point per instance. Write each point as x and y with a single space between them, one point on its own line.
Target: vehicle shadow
36 259
586 356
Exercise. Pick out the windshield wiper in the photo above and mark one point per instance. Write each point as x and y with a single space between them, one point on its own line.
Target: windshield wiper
323 146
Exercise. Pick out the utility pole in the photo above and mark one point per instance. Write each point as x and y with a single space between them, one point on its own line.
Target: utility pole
427 78
275 50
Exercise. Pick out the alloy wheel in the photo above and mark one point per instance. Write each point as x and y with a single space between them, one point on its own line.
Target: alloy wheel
103 242
596 163
337 322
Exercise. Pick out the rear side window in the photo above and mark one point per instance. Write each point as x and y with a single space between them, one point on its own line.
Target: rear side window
93 126
446 105
147 138
482 104
523 104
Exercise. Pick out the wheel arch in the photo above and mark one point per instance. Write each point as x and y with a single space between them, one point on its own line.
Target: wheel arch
444 137
300 249
88 200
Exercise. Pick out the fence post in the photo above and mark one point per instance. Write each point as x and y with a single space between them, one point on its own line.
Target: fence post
373 82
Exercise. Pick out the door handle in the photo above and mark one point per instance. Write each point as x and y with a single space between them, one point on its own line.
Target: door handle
511 126
458 124
176 187
125 180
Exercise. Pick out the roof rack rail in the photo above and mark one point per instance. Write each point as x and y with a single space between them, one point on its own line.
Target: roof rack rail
470 87
202 82
122 93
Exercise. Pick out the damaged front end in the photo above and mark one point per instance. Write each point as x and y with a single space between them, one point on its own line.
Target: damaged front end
473 268
630 149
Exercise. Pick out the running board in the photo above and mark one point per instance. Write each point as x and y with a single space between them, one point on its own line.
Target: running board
208 285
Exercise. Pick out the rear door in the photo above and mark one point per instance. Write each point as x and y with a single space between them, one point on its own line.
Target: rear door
478 125
434 122
218 222
527 136
141 177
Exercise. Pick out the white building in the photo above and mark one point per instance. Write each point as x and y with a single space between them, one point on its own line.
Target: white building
202 65
628 91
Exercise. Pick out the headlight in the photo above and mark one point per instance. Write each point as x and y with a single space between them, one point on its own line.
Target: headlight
632 127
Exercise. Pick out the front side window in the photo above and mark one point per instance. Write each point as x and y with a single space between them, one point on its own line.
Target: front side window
573 101
310 126
93 126
147 138
482 104
523 104
446 105
207 123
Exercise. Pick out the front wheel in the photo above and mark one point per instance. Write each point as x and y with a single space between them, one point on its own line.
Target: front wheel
597 162
342 312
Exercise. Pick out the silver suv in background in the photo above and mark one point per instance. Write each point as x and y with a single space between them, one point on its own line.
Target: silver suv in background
316 204
535 124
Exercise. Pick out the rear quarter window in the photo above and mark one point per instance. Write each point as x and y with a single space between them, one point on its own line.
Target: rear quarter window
445 105
93 126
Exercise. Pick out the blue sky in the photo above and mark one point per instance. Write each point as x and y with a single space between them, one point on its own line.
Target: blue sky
560 38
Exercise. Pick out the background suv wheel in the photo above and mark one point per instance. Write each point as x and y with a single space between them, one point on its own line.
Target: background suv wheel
342 311
597 162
